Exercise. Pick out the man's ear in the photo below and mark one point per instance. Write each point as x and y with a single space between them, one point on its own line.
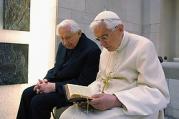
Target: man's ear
79 32
120 27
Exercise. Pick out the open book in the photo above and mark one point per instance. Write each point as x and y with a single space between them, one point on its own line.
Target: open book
77 93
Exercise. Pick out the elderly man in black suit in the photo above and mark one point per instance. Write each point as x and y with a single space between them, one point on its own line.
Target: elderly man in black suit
76 63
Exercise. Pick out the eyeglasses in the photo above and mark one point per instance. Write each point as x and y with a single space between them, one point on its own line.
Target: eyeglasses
105 36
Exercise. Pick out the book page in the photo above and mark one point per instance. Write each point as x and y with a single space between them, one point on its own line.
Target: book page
79 90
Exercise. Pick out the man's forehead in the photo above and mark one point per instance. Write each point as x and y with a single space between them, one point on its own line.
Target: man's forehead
65 31
100 29
102 24
65 28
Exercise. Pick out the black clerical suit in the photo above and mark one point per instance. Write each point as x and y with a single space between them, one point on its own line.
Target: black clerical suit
75 66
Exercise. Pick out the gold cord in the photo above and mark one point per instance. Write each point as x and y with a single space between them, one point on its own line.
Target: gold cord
87 107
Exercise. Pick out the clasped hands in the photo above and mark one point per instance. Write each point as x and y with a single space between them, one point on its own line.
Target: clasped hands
102 102
43 86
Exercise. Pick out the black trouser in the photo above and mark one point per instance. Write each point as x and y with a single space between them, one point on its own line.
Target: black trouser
39 106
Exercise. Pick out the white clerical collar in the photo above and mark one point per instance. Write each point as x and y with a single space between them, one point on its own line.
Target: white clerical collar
123 42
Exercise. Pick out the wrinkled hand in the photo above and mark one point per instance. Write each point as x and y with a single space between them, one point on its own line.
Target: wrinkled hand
47 87
37 86
104 101
43 86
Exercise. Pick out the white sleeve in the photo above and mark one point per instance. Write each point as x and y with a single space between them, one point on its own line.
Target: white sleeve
151 92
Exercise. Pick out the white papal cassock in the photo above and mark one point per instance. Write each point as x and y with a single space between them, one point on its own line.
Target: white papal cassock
135 76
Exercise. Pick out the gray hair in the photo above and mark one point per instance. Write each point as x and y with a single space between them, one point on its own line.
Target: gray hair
74 27
110 18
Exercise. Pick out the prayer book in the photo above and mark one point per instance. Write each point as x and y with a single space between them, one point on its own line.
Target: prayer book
77 93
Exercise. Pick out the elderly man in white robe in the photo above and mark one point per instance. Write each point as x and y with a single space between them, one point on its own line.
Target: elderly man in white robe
130 83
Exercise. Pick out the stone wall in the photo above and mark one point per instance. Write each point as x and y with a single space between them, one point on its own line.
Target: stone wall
151 21
1 14
171 70
84 11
